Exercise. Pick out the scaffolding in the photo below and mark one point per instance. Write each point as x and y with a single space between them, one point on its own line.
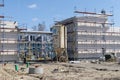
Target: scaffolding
93 24
36 45
8 39
88 36
2 36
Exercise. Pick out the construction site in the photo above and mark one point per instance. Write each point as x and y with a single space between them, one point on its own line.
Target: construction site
84 47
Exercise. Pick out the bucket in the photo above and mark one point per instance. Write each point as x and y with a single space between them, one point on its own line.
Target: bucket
16 67
27 64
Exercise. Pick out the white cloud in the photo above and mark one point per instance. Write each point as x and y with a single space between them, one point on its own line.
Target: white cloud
32 6
35 19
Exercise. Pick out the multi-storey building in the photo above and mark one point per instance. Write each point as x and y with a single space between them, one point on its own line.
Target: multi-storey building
89 36
8 41
36 44
14 42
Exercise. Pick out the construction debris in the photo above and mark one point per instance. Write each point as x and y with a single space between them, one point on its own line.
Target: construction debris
86 37
62 71
35 70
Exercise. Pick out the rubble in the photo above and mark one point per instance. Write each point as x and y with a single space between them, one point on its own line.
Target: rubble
63 71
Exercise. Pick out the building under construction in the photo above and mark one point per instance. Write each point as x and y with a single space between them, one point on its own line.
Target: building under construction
16 43
35 45
8 38
89 36
8 41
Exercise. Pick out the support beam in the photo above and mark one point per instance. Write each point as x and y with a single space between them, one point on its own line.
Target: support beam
92 13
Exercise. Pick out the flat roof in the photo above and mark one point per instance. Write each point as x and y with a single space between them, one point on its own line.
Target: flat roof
82 19
66 21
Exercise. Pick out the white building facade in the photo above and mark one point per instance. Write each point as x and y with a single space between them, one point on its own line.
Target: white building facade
90 37
8 41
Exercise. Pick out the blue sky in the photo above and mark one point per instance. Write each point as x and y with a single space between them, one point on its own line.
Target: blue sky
32 12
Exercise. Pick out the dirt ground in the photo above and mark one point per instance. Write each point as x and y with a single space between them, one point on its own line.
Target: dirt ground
84 70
